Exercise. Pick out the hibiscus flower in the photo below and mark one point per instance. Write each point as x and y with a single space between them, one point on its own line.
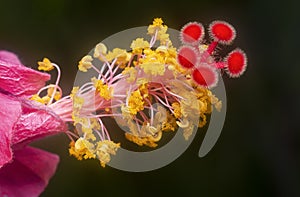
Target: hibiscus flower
26 171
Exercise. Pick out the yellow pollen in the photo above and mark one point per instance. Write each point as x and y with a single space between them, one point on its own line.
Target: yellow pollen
100 51
57 94
103 89
82 149
138 45
45 65
85 63
105 149
135 102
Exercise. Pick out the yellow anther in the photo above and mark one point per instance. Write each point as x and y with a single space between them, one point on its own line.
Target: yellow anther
100 51
74 92
131 71
153 68
45 65
176 109
148 140
135 102
82 149
37 98
85 63
103 89
105 149
138 45
57 94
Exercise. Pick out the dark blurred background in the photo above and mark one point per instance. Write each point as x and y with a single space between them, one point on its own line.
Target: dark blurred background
258 152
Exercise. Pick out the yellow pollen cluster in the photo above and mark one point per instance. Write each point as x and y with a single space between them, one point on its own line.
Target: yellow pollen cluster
74 91
177 110
156 61
160 30
139 45
105 149
170 124
100 51
121 56
147 140
149 135
77 104
50 92
45 65
153 68
46 99
82 149
191 112
135 102
43 100
157 22
103 89
86 125
85 63
131 72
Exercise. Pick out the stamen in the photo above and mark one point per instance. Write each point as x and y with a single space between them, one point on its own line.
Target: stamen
153 38
56 83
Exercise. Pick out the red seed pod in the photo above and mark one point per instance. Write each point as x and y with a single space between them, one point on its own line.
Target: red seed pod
222 32
205 76
236 63
187 57
192 33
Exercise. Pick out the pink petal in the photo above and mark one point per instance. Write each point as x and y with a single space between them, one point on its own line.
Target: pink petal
36 122
10 110
18 79
29 174
9 57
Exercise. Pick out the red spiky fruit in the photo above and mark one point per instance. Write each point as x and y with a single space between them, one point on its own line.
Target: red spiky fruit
236 63
205 76
192 33
187 57
222 32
